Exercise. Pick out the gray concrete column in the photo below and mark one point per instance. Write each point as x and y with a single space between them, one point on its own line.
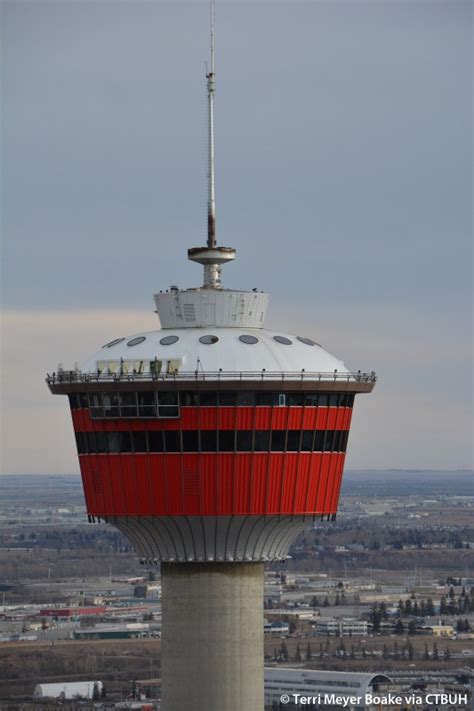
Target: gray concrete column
212 637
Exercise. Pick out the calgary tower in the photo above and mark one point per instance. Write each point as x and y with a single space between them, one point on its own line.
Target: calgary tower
211 443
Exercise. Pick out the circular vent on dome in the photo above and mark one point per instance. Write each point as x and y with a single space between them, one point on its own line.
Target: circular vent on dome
113 343
136 341
283 340
308 341
208 340
248 339
169 340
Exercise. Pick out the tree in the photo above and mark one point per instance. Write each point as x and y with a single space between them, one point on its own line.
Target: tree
308 652
426 654
435 651
443 607
399 627
337 601
292 626
298 657
408 608
95 692
447 654
314 602
385 652
326 602
412 627
284 652
411 653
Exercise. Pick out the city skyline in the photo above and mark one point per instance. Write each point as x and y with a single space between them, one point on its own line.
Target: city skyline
351 176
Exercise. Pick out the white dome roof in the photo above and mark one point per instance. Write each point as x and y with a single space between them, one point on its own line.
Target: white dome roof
272 351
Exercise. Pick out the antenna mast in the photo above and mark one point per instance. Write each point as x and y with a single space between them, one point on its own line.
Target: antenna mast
211 194
211 257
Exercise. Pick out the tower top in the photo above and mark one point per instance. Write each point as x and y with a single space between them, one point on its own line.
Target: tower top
211 256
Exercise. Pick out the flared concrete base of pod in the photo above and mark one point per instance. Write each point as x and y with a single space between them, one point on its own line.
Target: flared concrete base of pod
212 637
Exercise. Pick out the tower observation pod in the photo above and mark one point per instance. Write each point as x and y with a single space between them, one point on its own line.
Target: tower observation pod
211 443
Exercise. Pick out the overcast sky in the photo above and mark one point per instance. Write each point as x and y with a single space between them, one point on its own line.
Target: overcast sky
344 180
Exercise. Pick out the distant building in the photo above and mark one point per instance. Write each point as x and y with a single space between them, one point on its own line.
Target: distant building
108 632
276 627
67 690
438 630
281 681
73 611
341 627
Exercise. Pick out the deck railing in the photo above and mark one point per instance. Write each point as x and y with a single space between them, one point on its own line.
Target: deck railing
75 376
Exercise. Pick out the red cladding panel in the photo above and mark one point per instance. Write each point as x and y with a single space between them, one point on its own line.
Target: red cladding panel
274 482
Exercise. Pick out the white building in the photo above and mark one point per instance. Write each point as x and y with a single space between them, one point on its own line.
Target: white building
341 627
67 690
330 687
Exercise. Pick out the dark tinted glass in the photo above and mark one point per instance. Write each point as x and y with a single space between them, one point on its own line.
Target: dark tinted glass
80 443
125 442
264 399
84 400
333 400
245 399
172 441
101 439
337 440
191 441
345 436
296 398
113 442
323 399
244 440
73 402
278 440
155 441
319 440
128 404
227 398
311 399
146 404
111 405
329 441
168 411
189 399
167 398
307 441
262 441
208 441
226 440
208 398
95 404
293 440
139 441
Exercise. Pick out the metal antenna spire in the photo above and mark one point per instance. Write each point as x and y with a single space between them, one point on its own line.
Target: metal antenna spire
211 195
211 257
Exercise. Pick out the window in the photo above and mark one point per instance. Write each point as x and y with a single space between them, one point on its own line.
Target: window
113 343
226 440
311 399
128 404
172 441
95 405
146 404
208 399
125 442
244 440
139 441
245 399
208 441
283 340
189 399
323 399
168 404
227 398
307 441
262 441
281 399
296 399
333 400
169 340
208 340
155 441
136 341
248 339
319 441
80 443
155 366
113 442
278 440
191 441
293 440
111 404
264 399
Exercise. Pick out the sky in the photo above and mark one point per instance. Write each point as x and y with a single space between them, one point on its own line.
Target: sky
344 180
